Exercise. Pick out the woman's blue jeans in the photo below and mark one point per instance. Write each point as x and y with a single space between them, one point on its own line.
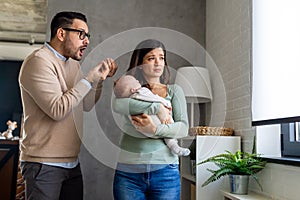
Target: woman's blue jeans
151 182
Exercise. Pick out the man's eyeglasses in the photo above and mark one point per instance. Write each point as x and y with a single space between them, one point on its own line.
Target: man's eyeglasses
82 33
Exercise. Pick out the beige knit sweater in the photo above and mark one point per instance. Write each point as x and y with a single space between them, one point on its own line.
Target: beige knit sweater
53 100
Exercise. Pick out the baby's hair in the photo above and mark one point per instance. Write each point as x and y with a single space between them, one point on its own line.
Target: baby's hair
121 90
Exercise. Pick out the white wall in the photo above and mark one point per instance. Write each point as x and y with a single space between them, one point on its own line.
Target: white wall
16 51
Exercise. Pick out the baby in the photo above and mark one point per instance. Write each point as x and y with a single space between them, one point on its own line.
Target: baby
128 86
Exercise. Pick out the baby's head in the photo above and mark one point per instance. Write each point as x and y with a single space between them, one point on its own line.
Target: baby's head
125 86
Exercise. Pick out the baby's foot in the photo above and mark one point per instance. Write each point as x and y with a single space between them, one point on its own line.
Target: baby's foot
181 151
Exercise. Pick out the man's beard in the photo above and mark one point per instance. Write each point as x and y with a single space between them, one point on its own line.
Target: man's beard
70 51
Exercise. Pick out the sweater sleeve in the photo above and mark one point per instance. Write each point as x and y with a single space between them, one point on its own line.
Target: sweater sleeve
92 96
43 82
130 106
179 128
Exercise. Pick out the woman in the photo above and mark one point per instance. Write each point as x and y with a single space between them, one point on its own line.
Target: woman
147 169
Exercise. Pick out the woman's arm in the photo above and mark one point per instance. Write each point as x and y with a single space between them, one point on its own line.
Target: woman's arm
129 106
178 129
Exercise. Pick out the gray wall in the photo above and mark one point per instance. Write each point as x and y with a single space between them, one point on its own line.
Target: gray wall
107 18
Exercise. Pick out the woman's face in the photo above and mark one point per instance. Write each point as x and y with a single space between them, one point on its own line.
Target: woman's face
153 65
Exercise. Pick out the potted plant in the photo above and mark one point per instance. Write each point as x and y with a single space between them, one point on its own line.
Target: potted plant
239 166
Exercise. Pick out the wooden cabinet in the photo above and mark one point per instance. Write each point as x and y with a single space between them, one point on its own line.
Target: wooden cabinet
9 159
206 146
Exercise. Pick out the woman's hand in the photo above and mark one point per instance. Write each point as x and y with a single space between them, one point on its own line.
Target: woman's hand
164 114
143 123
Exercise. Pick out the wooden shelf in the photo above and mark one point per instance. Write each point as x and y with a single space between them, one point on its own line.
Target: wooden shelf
9 159
250 196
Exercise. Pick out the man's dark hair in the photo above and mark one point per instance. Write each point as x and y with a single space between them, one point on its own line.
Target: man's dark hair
65 19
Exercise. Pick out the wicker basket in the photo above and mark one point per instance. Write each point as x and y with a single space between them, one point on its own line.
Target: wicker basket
205 130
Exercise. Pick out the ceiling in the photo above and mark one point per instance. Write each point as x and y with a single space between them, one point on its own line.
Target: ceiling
23 20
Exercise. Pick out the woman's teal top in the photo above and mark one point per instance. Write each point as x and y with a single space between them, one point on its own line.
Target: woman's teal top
139 149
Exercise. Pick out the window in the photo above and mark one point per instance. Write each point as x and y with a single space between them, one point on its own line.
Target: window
276 69
276 47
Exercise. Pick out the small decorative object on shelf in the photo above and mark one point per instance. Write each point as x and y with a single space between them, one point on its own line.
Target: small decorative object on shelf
8 133
239 166
206 130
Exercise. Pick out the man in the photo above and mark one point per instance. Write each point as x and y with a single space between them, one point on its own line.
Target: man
54 94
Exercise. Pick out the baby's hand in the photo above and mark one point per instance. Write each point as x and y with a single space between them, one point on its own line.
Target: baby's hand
167 121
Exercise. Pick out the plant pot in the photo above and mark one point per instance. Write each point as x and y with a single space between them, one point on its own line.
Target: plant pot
239 184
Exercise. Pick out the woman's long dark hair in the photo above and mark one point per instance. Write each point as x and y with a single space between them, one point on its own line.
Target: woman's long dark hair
139 53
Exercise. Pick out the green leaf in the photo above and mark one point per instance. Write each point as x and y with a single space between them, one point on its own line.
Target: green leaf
240 163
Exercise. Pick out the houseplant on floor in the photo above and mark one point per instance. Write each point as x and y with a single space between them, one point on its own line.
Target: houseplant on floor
239 166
